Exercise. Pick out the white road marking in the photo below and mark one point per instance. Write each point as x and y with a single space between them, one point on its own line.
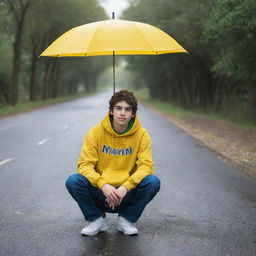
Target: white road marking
7 160
19 213
16 124
65 127
41 142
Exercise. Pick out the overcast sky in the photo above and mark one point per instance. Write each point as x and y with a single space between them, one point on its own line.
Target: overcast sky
114 6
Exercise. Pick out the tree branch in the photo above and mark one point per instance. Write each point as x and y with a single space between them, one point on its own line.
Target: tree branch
12 9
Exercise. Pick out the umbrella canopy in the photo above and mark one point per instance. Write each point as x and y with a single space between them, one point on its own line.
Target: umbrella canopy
119 36
113 37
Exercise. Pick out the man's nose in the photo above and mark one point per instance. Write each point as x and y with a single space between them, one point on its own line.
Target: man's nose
122 112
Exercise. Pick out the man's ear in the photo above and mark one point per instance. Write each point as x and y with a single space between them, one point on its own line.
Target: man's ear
111 112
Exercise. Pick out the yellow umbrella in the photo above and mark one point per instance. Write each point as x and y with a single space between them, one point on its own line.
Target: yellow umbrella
113 37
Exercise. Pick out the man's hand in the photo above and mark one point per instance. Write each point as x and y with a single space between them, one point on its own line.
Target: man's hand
111 197
110 204
121 193
114 196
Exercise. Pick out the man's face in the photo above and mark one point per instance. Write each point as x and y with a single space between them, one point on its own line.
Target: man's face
122 113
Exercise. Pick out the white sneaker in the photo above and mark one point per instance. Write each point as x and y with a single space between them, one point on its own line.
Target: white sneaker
127 227
101 224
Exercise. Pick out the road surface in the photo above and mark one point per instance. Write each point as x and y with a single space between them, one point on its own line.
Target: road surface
205 206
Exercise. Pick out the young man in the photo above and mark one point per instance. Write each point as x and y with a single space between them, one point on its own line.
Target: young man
115 169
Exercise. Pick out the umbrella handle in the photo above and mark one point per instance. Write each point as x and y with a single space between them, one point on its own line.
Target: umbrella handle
114 60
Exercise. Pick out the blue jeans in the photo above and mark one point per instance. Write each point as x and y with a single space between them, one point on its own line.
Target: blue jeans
91 200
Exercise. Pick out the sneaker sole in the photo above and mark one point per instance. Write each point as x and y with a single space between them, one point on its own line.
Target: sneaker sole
104 228
126 233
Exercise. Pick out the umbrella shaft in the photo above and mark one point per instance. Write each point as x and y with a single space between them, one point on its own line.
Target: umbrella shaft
114 78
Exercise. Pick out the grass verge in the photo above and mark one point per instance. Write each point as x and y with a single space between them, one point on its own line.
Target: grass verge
177 111
234 142
27 106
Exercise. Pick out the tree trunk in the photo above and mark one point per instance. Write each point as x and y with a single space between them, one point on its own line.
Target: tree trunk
253 101
94 82
19 14
16 66
33 85
55 89
87 83
51 78
46 80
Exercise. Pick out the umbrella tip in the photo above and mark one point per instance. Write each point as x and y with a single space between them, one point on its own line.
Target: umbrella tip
113 15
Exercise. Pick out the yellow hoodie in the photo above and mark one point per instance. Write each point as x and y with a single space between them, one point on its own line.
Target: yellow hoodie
107 157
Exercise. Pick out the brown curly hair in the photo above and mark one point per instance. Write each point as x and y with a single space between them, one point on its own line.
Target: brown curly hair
124 95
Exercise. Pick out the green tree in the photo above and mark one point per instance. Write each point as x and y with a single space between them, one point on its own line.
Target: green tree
180 78
219 70
33 25
6 56
231 32
19 10
50 21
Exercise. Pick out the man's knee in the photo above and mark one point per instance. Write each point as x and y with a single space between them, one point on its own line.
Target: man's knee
75 181
152 181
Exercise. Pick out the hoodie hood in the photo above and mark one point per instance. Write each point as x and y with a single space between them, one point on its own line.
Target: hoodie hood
106 123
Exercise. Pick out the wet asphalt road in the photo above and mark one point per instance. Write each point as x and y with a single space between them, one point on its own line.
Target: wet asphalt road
205 207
